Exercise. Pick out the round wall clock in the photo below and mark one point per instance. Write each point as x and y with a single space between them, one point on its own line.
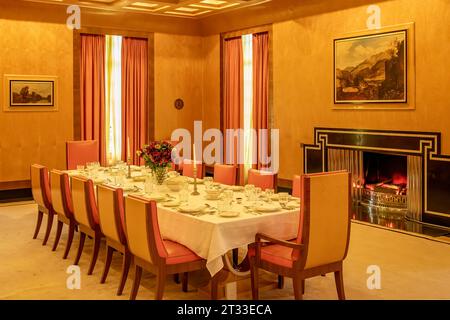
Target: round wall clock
179 104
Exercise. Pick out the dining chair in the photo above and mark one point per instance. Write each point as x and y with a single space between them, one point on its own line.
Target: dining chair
40 188
152 253
297 186
225 174
322 240
81 152
111 215
262 179
86 214
188 169
62 204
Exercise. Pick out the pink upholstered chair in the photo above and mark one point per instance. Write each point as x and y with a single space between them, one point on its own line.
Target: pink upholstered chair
151 252
86 214
62 204
263 180
322 240
297 186
112 224
81 152
188 169
225 174
40 188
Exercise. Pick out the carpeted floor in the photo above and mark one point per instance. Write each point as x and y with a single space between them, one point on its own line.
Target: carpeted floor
411 267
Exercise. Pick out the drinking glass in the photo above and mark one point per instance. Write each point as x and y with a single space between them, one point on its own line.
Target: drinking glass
207 181
249 190
80 167
183 195
283 198
258 192
148 186
269 194
228 195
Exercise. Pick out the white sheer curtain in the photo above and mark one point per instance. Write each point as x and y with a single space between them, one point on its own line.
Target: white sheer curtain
113 98
247 47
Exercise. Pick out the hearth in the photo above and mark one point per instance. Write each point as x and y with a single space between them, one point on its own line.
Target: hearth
385 181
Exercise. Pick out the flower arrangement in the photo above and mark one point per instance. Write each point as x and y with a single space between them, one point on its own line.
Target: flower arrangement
157 156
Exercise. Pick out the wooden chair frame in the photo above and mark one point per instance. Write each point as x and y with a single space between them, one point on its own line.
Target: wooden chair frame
298 273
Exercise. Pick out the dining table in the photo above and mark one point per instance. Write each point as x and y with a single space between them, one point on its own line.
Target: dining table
203 226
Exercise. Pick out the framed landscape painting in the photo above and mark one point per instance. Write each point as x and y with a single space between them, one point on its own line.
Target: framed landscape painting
30 93
372 69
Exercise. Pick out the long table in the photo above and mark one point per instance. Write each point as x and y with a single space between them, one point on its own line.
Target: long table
211 236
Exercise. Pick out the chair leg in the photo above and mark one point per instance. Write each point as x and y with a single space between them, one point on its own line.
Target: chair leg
254 279
49 228
80 248
69 239
94 253
38 224
297 283
280 282
125 268
303 286
184 281
136 282
339 279
176 278
109 255
58 235
160 282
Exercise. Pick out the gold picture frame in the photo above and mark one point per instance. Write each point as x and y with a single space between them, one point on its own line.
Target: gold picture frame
30 93
367 89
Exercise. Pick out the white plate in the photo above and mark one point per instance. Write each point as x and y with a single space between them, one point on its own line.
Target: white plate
292 205
229 214
155 196
189 208
268 207
171 204
235 188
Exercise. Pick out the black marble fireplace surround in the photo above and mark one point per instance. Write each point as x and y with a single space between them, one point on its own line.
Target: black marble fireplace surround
427 145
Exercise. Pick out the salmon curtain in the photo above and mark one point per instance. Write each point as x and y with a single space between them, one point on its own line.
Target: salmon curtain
134 96
261 95
233 100
92 91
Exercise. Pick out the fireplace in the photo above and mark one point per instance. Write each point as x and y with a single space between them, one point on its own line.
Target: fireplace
385 181
397 174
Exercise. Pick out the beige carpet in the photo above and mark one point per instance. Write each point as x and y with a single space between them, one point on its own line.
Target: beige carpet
411 267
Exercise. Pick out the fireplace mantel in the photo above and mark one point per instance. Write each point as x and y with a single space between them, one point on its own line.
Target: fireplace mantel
436 167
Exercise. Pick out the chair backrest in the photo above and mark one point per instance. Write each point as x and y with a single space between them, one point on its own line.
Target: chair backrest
225 174
40 186
326 214
84 204
61 195
142 230
297 186
111 212
262 179
188 169
81 152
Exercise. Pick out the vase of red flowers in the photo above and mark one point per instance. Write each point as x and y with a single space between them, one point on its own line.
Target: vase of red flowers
158 157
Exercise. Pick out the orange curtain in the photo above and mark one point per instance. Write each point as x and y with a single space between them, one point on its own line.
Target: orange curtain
134 96
233 97
261 92
92 91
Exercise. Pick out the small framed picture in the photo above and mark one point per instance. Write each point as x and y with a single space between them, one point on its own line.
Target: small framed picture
30 93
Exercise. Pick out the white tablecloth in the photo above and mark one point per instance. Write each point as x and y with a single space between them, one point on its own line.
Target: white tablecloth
212 236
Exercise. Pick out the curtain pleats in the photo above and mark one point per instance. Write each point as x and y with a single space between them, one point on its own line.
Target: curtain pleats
261 96
233 102
134 96
92 91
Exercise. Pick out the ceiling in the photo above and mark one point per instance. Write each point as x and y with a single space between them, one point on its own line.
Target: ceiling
193 9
